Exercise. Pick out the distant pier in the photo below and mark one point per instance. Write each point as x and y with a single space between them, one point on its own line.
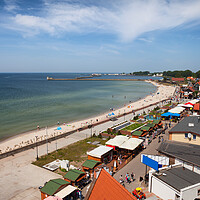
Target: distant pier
89 79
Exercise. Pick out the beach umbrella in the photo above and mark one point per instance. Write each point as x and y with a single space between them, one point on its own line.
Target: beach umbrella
109 114
59 128
113 113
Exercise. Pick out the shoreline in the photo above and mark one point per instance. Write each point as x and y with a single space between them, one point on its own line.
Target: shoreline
2 140
28 138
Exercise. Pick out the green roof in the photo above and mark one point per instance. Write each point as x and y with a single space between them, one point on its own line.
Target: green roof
90 163
138 133
156 121
145 128
53 185
150 125
73 174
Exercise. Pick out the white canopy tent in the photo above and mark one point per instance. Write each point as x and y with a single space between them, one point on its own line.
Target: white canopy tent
179 105
117 140
131 143
177 110
194 101
99 151
65 191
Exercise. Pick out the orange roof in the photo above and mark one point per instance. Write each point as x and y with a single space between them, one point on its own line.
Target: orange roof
177 79
107 188
196 106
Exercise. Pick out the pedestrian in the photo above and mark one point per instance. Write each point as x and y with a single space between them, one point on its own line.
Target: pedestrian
126 178
162 139
159 139
169 124
132 176
58 122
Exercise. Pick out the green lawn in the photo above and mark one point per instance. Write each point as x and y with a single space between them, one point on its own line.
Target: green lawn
133 126
74 152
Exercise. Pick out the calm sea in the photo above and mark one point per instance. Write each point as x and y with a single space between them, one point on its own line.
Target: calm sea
28 99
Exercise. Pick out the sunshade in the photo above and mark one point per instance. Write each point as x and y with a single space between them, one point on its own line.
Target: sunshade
117 140
59 128
131 143
65 191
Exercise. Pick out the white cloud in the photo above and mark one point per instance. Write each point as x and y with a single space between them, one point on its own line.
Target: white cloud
10 5
126 19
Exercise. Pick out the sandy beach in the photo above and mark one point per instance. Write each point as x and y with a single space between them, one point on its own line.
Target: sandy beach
163 92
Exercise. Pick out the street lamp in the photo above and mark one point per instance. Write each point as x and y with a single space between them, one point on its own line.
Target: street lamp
56 140
36 137
91 128
47 140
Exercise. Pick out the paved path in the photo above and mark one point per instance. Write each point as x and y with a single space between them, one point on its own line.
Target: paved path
136 166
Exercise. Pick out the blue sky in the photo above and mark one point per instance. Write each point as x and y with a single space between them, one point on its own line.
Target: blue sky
99 36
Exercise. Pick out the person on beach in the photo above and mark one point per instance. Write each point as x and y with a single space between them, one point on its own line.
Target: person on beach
38 127
58 122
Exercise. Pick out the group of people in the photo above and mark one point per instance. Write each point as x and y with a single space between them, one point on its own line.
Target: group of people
128 177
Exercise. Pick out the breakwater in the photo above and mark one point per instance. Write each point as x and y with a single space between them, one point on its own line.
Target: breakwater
87 79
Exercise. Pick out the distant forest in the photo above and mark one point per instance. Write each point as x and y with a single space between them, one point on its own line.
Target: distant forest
176 73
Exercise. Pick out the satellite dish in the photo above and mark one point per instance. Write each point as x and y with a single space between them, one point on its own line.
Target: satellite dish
189 135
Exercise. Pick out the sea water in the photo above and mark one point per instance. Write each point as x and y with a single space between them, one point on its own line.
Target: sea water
28 99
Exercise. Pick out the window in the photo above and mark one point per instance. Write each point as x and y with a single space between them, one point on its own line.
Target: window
186 135
194 137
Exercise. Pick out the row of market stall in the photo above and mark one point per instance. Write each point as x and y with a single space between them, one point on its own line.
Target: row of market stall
116 151
177 112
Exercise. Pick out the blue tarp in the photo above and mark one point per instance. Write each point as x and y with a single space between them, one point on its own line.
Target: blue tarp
168 114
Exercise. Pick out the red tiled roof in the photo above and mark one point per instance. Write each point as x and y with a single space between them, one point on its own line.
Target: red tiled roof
178 79
196 106
107 188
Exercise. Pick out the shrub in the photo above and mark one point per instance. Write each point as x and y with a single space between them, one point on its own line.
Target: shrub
108 131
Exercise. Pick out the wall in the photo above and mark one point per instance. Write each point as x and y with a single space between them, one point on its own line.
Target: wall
161 189
191 192
180 137
94 158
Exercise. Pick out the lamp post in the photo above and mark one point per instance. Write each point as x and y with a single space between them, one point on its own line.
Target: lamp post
47 140
36 137
56 140
91 128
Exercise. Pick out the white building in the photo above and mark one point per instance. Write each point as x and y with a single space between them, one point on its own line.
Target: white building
177 183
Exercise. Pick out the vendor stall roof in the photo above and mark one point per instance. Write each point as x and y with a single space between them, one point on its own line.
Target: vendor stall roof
131 143
137 133
150 125
53 185
99 151
90 163
145 128
73 174
66 191
156 121
117 140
